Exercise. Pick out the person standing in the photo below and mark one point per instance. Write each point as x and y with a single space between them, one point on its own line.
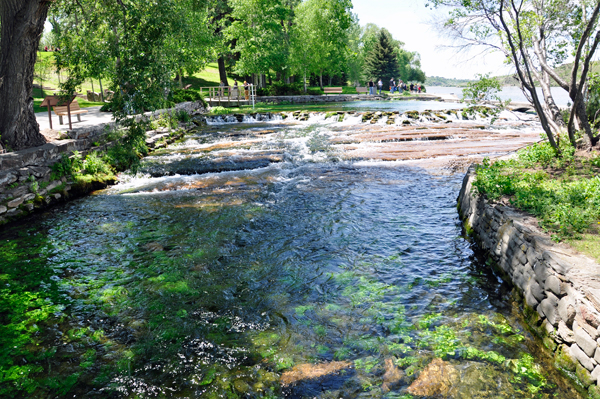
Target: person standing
246 90
235 88
412 87
392 86
380 85
419 88
371 88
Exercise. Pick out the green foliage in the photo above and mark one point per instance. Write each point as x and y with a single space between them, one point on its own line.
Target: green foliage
593 100
564 205
218 110
67 165
128 151
283 89
180 96
381 61
483 90
183 116
94 165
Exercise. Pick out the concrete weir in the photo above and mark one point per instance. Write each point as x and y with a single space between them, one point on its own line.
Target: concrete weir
559 287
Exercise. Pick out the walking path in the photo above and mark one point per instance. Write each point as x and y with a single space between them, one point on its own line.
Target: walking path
93 118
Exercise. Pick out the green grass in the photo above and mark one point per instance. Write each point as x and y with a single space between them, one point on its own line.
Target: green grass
562 192
209 77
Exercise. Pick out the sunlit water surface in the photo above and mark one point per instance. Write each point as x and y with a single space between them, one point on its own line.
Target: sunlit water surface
216 284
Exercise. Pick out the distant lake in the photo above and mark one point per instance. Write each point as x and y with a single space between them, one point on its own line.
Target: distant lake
508 92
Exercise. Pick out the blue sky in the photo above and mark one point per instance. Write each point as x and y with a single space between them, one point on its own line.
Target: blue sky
410 21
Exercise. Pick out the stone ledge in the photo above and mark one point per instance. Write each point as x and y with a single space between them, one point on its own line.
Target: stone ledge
561 285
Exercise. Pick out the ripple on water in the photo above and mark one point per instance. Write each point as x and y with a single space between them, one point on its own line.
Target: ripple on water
347 278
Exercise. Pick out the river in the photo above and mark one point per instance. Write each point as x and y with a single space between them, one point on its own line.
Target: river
290 272
513 93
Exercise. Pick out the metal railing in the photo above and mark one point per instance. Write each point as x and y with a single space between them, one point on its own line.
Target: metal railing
222 95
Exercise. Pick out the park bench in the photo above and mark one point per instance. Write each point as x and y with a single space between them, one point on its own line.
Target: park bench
362 90
333 90
75 110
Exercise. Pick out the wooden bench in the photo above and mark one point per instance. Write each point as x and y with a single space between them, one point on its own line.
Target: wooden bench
333 90
362 90
75 110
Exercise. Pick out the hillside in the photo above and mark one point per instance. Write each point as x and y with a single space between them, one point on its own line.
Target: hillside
449 82
564 71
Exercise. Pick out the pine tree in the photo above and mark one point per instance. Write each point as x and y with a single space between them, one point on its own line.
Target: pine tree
381 61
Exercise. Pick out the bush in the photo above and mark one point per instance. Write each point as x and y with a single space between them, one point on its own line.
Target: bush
183 116
564 205
180 96
218 110
126 154
284 89
94 165
314 92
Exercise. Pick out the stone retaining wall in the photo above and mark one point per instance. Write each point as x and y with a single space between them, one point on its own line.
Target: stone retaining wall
26 182
560 288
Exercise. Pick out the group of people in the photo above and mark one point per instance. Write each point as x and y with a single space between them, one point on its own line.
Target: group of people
235 89
401 87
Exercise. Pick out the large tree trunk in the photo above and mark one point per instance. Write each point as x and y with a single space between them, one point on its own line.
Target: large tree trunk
222 72
22 24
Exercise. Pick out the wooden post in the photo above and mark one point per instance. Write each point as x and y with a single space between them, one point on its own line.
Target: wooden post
228 95
69 114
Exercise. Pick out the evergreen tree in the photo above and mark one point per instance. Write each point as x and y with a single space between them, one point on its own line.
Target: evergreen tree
382 61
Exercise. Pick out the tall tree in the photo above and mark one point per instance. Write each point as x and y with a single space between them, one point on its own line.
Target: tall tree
321 36
21 27
382 61
145 44
261 32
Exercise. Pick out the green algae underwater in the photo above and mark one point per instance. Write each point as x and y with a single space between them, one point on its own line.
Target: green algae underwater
216 285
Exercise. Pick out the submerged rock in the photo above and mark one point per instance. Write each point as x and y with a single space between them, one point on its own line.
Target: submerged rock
392 377
436 379
310 371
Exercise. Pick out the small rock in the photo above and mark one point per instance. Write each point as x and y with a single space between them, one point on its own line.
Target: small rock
435 380
310 371
3 209
154 247
393 375
15 202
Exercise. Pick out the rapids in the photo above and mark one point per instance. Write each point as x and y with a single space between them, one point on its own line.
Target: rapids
264 260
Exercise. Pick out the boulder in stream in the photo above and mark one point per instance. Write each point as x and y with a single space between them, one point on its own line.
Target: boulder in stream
309 371
436 380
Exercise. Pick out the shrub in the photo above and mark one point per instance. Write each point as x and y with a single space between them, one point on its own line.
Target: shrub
180 96
284 89
218 110
94 165
183 116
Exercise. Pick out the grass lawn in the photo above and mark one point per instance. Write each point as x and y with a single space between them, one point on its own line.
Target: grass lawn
206 78
563 193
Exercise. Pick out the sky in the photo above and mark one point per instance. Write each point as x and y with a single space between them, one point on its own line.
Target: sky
410 22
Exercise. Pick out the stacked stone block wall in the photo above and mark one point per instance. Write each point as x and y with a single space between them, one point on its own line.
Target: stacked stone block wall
26 182
560 288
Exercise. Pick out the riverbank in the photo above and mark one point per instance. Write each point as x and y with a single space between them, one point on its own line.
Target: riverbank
559 287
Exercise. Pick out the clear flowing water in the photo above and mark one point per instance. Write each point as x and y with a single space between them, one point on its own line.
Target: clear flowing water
241 282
